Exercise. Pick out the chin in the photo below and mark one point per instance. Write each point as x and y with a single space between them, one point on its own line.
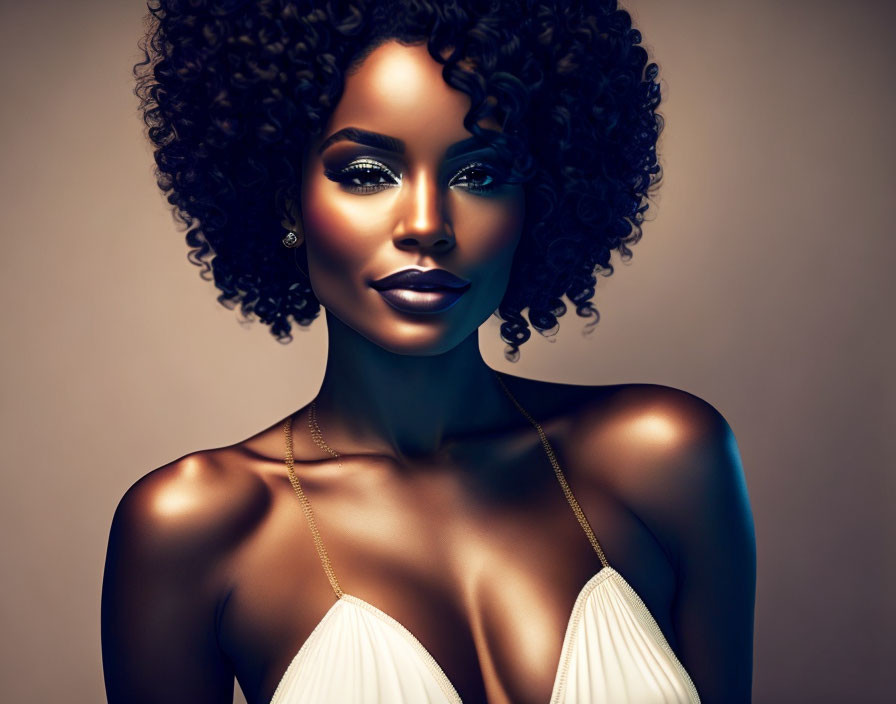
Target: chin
415 336
417 340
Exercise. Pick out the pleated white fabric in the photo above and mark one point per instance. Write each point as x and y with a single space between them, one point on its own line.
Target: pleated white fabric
613 653
358 654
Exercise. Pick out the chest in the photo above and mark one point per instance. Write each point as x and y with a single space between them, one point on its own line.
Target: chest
485 584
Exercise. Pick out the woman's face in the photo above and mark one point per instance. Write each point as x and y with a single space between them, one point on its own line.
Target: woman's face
395 183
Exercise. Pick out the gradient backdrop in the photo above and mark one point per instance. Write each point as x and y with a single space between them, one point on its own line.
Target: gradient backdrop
762 285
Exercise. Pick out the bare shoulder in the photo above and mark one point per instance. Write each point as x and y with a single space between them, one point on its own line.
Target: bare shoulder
656 433
191 510
672 457
668 455
596 409
168 575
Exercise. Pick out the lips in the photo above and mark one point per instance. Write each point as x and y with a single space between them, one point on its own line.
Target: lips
417 280
416 291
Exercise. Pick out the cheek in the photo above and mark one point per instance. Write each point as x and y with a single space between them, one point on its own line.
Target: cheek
341 232
491 234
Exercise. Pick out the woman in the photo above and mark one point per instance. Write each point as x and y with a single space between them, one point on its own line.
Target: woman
436 532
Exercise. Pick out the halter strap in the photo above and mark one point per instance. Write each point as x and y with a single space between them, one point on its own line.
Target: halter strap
574 505
306 508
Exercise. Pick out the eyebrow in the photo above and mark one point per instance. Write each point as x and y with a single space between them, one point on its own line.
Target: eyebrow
393 144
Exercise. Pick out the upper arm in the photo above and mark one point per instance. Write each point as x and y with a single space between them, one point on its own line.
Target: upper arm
686 482
711 526
163 587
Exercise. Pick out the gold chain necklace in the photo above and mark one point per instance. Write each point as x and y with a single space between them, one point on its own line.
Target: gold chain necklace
306 506
318 438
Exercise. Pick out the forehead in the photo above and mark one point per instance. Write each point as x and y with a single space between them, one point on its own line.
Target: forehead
399 90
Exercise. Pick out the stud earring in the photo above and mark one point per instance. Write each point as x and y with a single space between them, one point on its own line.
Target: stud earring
291 240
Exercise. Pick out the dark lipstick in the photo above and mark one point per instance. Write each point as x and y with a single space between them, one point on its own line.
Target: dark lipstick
416 291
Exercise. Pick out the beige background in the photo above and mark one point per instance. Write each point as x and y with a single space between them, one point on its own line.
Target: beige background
763 285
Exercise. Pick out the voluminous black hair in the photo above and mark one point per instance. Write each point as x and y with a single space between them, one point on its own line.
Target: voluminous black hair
232 91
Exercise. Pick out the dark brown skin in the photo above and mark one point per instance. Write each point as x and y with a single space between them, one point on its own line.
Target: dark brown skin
446 513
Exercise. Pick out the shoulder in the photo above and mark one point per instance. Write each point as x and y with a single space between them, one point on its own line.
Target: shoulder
657 433
168 575
190 511
670 457
652 417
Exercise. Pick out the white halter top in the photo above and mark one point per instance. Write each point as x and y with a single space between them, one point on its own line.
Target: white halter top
613 651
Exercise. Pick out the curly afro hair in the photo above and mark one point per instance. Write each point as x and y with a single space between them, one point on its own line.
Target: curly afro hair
232 91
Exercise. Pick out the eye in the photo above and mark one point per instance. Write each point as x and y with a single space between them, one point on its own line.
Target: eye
476 177
364 176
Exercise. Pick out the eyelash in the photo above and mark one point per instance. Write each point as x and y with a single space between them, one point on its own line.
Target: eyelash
375 168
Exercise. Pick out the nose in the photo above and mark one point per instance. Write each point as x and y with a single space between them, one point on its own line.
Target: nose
423 224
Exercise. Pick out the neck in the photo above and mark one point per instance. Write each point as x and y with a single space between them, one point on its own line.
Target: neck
373 400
